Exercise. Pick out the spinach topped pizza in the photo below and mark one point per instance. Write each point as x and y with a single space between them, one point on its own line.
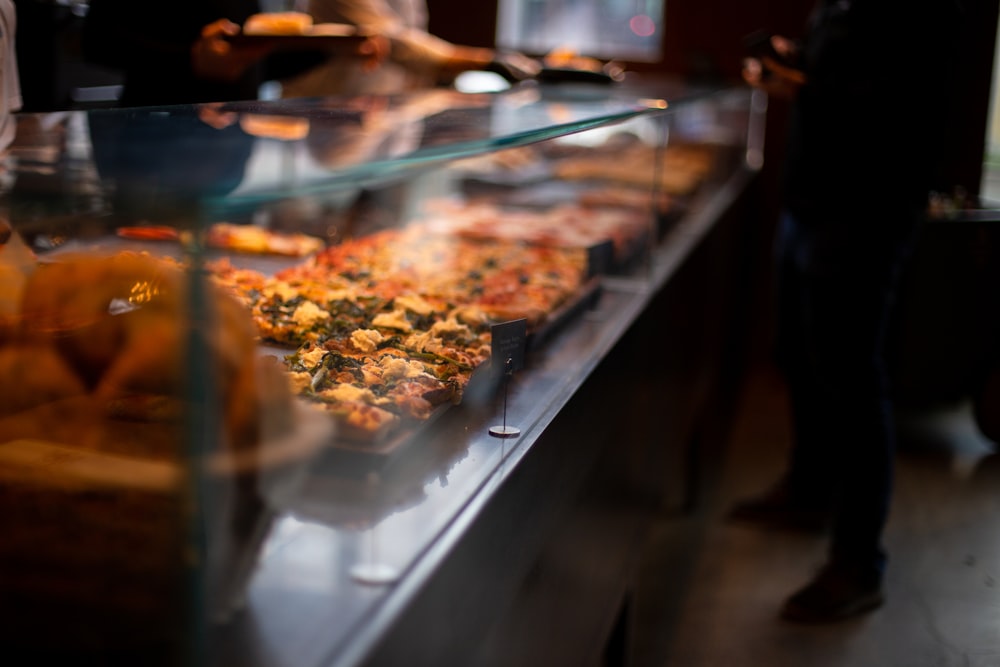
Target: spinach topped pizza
383 329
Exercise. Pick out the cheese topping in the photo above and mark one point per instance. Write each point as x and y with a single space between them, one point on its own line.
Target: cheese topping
300 382
394 320
347 392
366 340
327 294
414 303
418 341
396 368
308 313
471 314
312 356
281 289
450 325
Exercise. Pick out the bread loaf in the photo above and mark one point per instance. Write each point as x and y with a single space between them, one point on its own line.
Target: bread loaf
99 391
278 23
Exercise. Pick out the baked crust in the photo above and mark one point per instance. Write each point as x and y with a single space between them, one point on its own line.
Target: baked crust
278 23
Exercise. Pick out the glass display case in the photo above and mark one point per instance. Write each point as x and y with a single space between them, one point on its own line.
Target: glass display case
265 364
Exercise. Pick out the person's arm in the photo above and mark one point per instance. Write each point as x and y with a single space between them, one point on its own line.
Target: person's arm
412 47
215 58
775 73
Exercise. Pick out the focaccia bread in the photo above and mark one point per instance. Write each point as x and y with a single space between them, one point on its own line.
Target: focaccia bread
285 128
123 325
278 23
101 390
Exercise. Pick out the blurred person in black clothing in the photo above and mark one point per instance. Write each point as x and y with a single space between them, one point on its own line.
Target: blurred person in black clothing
176 55
865 133
180 53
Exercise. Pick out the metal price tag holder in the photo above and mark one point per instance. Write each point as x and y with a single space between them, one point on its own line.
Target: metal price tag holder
509 342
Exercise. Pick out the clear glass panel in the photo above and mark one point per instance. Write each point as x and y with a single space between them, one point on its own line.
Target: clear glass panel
232 340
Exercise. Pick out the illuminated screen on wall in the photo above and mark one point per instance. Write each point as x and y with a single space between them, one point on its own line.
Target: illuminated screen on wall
990 187
622 29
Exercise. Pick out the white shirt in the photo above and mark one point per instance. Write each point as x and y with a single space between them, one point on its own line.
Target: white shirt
10 84
415 54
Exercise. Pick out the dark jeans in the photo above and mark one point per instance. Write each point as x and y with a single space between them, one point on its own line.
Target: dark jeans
835 291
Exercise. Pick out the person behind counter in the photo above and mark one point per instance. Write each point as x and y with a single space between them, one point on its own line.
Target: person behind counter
183 55
416 58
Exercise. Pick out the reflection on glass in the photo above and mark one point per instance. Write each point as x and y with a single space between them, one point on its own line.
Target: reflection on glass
625 29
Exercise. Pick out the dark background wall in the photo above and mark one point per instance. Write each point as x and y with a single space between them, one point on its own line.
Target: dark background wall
704 39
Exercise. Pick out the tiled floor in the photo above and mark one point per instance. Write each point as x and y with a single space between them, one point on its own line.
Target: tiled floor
715 604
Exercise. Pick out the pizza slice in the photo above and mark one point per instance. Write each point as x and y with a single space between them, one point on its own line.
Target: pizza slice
386 380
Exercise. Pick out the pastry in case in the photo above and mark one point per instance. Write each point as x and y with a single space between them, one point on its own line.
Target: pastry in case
103 505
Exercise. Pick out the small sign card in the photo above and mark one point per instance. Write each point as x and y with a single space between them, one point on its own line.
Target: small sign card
600 258
510 340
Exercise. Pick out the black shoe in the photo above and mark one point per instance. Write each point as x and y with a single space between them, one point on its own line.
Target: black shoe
776 508
838 592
